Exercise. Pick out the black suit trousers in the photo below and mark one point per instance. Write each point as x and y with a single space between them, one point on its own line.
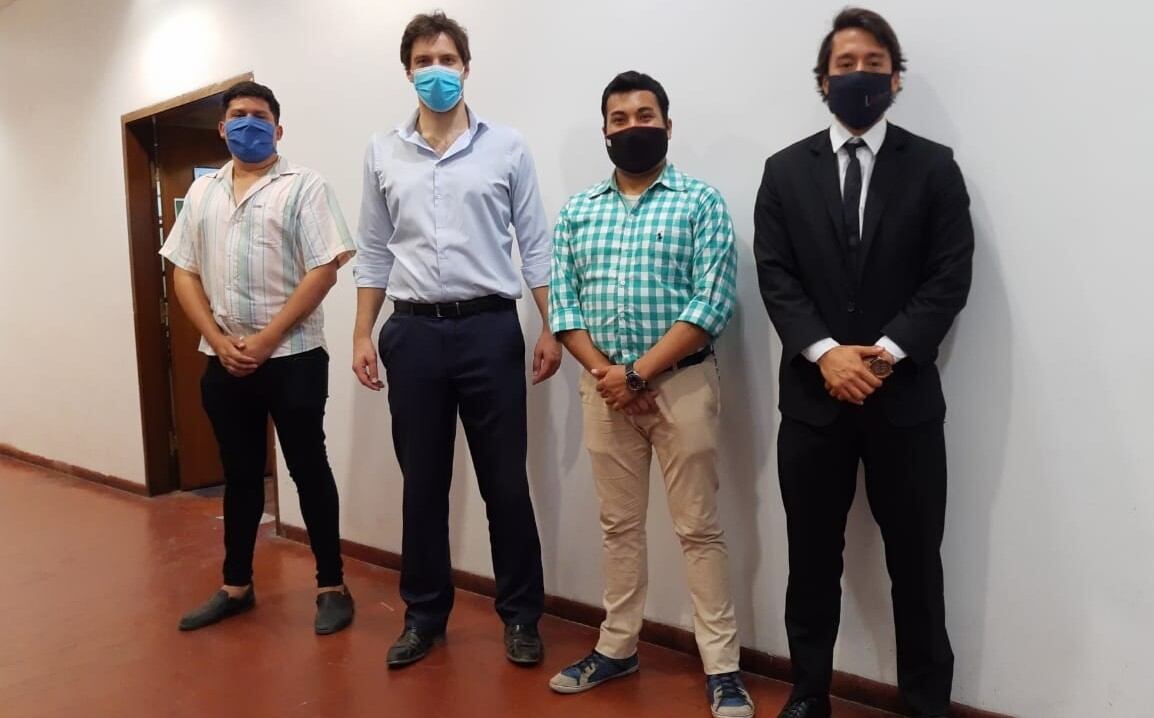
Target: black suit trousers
905 479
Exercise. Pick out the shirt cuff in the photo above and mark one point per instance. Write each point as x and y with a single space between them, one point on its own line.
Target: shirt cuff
537 275
368 278
889 345
702 314
565 319
816 350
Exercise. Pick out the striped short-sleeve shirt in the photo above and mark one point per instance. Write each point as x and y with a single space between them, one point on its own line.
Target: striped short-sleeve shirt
251 257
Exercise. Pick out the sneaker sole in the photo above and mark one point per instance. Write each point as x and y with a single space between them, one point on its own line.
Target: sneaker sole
569 690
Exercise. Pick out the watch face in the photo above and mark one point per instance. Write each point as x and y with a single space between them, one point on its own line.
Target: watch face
880 367
634 382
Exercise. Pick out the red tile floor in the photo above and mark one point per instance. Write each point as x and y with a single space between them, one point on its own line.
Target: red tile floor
95 580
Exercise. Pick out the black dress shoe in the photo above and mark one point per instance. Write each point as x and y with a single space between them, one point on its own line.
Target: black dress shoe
411 646
523 645
218 608
806 708
334 611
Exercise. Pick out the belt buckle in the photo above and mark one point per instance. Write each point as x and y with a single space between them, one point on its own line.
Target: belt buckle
456 310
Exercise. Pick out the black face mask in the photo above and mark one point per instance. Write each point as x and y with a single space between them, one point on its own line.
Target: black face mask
637 149
859 99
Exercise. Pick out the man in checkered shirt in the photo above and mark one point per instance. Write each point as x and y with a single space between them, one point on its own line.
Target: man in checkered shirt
643 281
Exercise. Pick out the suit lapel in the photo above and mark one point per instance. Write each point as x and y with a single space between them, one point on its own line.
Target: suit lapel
825 174
886 174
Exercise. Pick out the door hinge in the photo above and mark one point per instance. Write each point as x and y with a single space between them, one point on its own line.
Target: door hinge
173 443
164 311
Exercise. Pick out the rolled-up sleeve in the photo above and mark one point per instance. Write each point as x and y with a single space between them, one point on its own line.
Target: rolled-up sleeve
374 230
564 299
714 270
533 239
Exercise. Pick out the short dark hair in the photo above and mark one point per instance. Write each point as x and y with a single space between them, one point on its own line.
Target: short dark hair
633 81
871 22
248 88
427 26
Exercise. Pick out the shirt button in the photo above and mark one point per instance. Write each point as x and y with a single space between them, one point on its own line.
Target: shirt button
622 282
851 307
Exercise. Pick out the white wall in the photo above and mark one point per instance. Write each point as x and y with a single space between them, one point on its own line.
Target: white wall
1047 374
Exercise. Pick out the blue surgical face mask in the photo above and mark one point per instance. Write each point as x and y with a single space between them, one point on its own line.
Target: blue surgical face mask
250 139
438 87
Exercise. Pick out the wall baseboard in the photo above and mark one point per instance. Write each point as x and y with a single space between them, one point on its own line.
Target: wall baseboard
74 471
845 685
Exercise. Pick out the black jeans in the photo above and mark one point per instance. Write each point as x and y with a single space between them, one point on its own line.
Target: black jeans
474 366
905 480
293 390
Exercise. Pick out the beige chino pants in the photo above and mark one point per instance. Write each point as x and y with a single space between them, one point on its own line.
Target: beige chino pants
684 435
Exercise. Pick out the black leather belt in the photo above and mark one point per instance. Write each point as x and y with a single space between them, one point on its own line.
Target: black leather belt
453 310
693 359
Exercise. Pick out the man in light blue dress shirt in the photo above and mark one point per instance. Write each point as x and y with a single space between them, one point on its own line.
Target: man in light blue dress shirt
442 192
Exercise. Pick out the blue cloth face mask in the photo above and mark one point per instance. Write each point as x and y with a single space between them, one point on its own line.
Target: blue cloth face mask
250 139
438 87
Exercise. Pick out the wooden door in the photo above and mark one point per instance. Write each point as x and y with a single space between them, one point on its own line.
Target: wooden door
178 151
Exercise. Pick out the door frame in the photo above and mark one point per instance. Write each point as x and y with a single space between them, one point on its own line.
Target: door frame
147 271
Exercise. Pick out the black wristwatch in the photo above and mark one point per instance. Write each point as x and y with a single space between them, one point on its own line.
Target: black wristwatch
633 380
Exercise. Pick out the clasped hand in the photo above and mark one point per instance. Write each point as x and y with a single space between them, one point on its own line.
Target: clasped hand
847 374
614 389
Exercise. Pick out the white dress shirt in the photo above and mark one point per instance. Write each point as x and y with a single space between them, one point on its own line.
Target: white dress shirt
838 136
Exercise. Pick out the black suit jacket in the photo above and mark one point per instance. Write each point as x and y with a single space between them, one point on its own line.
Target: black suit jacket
908 279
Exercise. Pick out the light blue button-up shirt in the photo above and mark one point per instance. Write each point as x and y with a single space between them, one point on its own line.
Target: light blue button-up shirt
437 229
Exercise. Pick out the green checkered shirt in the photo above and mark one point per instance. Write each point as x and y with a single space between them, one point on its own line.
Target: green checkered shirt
626 276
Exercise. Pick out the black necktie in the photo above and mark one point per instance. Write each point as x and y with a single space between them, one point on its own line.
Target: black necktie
851 194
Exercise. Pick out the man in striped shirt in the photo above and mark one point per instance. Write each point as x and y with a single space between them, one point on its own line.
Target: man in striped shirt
256 248
643 281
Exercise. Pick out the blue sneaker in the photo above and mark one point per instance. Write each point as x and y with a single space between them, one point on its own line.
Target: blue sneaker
728 697
592 671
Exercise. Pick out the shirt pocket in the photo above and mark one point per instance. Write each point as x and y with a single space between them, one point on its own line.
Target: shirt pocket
669 250
265 226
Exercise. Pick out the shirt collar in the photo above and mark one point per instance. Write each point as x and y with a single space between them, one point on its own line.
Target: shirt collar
671 178
281 167
839 135
408 131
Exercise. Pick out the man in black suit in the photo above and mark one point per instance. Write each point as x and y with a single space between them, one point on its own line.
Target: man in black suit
863 244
